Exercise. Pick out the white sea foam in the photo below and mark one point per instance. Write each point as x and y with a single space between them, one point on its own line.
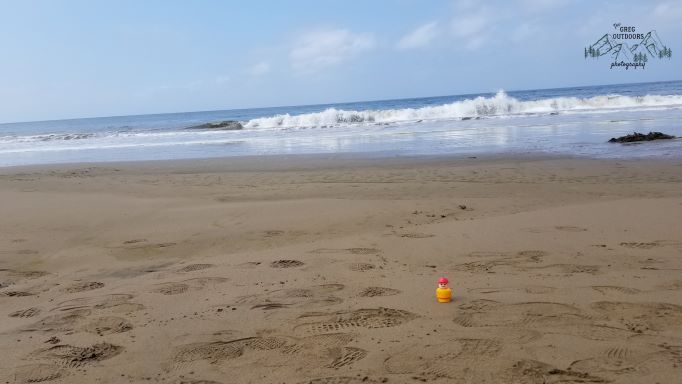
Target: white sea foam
501 105
506 123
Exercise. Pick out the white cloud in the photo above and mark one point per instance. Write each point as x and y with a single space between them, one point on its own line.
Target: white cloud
260 69
472 29
470 25
420 37
326 48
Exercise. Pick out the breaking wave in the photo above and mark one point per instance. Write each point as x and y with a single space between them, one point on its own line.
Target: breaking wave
500 105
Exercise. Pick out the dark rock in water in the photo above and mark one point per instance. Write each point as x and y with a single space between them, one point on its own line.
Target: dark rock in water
641 137
227 125
465 118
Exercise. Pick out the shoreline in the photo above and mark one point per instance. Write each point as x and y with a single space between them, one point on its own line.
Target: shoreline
312 161
226 163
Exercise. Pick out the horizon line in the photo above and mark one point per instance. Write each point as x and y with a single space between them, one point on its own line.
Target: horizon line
322 104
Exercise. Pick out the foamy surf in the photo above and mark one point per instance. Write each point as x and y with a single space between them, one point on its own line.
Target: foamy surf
500 105
568 121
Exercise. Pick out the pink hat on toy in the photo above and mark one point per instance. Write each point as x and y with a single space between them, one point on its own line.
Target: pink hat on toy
442 280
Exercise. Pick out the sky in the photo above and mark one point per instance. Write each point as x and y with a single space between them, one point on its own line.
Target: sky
69 59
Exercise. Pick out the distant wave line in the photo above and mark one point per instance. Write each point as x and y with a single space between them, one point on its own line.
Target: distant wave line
480 107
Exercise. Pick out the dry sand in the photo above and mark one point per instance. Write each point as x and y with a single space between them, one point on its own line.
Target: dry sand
323 270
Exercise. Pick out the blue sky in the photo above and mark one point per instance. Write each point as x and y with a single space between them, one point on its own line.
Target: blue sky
64 59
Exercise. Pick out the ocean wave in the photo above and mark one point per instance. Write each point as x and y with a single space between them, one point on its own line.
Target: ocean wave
48 137
64 138
500 105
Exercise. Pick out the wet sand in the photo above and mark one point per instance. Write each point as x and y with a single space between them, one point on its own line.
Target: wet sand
324 269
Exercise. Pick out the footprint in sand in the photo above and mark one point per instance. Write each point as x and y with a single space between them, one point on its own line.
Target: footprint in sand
524 315
29 312
618 353
569 268
135 241
363 251
488 254
606 289
314 296
270 306
286 264
73 357
318 345
640 245
108 325
13 276
218 351
569 228
318 323
249 264
349 355
83 286
62 322
479 305
531 289
328 350
273 233
531 255
361 267
446 360
378 291
639 317
179 287
492 260
470 358
532 371
140 270
37 373
416 235
16 293
119 302
195 267
538 289
143 245
635 359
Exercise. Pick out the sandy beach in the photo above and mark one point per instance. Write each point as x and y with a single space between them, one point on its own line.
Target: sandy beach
320 270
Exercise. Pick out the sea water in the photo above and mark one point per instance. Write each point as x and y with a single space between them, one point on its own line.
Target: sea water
574 121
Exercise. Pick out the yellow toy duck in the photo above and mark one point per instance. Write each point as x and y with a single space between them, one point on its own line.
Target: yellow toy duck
443 293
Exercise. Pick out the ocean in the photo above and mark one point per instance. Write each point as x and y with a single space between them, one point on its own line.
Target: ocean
574 121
